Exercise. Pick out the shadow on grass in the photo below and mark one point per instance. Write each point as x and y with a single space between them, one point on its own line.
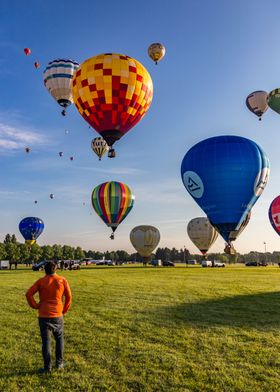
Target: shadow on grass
259 311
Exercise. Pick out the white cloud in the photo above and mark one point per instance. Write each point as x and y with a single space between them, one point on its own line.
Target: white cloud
14 138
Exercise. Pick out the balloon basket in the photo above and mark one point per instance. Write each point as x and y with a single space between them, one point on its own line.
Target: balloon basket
111 153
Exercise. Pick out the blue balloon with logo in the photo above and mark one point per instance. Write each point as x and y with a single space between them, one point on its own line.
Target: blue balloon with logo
225 175
31 228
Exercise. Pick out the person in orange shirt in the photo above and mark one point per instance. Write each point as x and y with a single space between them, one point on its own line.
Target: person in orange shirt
51 288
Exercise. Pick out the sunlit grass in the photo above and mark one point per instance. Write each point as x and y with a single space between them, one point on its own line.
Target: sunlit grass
150 329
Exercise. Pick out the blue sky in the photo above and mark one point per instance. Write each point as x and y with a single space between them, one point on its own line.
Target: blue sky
217 52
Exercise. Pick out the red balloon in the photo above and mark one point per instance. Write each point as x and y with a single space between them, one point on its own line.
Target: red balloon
27 51
274 214
36 65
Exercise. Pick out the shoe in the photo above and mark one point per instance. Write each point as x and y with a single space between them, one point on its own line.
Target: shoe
60 366
43 371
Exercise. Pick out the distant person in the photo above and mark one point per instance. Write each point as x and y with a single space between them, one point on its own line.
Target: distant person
51 288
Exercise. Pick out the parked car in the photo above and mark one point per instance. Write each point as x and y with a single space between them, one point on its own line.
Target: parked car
208 263
168 264
39 266
156 263
256 264
190 262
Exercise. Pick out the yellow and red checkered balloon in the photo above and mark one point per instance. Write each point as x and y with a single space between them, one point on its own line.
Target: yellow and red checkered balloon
112 92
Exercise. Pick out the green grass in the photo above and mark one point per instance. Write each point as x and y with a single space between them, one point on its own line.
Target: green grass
150 329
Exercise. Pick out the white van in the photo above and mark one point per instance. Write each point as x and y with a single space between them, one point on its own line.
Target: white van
206 263
4 264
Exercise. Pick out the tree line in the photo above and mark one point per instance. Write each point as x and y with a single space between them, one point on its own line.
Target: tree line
12 250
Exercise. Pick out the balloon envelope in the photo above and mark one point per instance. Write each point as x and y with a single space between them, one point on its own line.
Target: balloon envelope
256 102
27 51
99 146
156 52
225 175
58 77
145 239
112 201
274 214
273 100
112 92
202 233
31 228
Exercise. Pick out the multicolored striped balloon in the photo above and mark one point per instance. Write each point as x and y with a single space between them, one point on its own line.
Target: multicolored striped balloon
58 77
112 201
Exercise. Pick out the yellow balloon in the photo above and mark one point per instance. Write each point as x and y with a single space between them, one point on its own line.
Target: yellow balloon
145 239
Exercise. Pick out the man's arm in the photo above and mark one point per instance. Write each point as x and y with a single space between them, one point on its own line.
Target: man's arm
30 293
68 297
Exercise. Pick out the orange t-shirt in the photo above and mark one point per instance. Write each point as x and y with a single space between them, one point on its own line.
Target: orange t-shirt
51 289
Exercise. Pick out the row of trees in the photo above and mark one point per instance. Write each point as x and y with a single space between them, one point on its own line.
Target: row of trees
11 249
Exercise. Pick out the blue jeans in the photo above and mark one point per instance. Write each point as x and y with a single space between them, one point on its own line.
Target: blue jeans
54 325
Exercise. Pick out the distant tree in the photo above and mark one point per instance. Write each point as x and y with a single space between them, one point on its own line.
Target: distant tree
122 255
35 253
3 253
79 253
57 252
7 239
68 252
98 255
13 239
12 251
47 252
24 251
89 254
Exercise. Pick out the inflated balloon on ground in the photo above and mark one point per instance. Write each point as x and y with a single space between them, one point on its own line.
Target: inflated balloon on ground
145 239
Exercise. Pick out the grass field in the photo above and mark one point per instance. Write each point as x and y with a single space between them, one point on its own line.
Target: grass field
150 329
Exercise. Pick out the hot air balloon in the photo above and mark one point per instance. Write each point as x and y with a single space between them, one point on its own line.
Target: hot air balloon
229 249
202 234
27 149
256 102
37 65
156 52
112 92
71 158
274 214
30 229
273 100
145 239
225 175
112 201
60 154
58 77
35 201
51 196
99 146
27 51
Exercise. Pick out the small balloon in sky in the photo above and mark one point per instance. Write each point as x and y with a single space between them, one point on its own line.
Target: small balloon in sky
51 196
27 149
156 52
36 64
35 201
256 102
27 51
71 158
60 154
273 100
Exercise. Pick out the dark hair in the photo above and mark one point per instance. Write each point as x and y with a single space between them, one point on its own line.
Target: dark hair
50 267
